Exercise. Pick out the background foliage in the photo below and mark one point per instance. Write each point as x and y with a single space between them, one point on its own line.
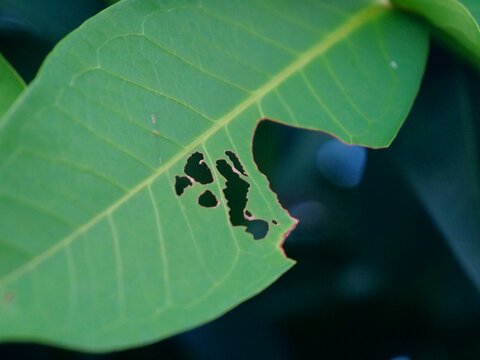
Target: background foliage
375 278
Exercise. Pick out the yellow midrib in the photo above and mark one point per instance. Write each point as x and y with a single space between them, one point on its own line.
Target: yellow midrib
341 32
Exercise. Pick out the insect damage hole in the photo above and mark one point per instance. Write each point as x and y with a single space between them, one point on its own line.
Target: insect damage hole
181 183
207 199
236 162
198 169
258 228
235 191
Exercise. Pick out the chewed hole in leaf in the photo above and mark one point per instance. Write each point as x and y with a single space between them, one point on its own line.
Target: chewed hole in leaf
235 193
198 169
274 222
236 162
236 190
181 183
207 199
258 228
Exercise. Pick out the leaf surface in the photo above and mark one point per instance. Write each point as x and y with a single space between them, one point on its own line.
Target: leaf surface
98 251
458 21
11 85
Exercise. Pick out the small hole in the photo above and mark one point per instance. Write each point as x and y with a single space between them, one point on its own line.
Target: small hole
274 222
258 228
207 199
236 162
198 169
248 213
181 183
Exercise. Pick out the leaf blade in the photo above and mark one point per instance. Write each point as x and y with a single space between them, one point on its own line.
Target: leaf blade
104 184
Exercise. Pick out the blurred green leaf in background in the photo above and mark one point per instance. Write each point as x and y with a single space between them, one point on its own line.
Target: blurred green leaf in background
439 156
11 85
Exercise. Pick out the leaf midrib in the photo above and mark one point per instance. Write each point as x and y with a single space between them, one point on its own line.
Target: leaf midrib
341 32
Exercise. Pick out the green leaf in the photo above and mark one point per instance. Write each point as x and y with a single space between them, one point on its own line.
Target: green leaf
98 252
439 157
11 85
457 21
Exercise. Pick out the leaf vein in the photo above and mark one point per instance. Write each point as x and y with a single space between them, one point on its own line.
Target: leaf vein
344 30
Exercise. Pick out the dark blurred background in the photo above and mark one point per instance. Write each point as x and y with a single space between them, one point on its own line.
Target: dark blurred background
376 276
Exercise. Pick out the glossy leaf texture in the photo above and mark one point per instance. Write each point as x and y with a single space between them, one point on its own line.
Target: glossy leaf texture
11 85
457 20
439 157
149 109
